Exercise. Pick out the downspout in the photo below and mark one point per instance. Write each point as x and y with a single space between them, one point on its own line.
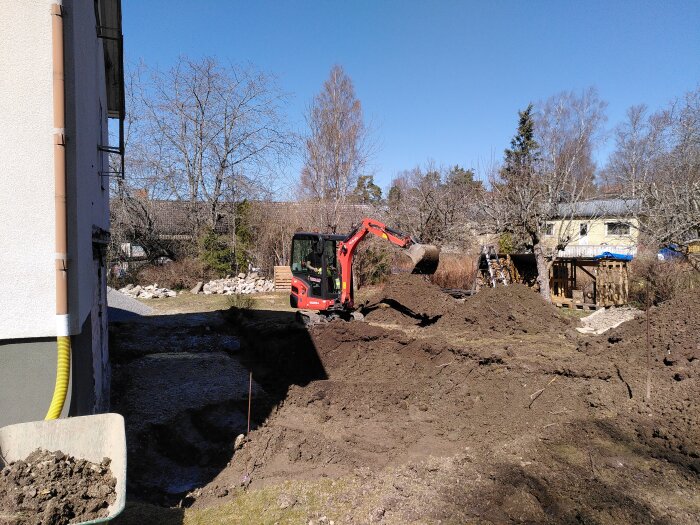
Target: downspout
63 342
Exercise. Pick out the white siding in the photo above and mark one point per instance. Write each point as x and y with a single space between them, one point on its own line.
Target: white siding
27 293
27 296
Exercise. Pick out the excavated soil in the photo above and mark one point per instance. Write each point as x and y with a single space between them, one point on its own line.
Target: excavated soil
492 410
410 300
671 379
489 411
51 488
505 310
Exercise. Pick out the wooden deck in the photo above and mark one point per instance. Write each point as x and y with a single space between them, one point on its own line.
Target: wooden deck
560 302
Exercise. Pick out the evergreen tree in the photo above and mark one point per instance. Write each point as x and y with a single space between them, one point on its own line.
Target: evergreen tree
523 153
366 191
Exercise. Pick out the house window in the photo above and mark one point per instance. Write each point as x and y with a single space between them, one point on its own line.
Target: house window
583 229
617 228
549 229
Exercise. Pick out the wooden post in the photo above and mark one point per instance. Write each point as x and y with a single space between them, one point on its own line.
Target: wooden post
648 392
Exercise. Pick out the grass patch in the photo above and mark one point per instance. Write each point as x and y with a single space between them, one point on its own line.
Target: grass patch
305 500
186 303
573 313
241 301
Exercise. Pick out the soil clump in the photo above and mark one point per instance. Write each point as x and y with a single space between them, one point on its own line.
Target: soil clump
52 488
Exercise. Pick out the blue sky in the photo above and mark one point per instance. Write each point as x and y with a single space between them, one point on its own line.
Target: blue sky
439 80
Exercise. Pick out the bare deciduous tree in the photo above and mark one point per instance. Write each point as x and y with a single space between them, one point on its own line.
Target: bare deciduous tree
657 161
214 134
338 147
435 204
546 173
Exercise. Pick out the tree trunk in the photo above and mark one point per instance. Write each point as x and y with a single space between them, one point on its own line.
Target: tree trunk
542 271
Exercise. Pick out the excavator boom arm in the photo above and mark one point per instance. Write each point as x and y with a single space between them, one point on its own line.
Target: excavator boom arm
424 256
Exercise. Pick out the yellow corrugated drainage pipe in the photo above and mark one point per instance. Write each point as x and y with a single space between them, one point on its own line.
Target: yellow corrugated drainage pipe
62 377
63 328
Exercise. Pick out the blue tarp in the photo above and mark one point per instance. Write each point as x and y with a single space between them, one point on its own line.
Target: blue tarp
615 256
670 252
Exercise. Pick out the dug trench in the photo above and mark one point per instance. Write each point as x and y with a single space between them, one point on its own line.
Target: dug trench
493 410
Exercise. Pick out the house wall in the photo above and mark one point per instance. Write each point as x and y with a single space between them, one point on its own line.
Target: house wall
27 304
597 233
86 122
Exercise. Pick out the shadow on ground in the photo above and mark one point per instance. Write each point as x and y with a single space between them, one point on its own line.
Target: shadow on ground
181 382
594 472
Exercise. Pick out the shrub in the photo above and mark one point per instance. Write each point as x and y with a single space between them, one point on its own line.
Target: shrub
506 244
372 262
666 279
456 270
240 301
177 275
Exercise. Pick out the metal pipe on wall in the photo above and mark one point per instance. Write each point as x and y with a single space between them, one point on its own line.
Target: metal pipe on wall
63 342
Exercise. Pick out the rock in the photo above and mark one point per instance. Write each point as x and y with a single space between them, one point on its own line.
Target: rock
286 501
238 443
197 288
242 284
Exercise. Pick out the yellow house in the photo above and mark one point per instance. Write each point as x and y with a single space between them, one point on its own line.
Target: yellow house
591 227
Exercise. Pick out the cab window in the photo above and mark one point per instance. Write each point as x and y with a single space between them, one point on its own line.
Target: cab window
332 267
301 252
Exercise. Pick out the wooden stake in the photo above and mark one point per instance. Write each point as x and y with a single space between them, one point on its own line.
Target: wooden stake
648 392
250 397
535 395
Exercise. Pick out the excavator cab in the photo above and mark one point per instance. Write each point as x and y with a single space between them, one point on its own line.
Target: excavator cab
315 272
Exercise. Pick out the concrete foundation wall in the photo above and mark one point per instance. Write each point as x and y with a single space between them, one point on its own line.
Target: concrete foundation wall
28 375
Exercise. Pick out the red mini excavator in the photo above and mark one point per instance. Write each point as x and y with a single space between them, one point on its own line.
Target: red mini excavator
322 265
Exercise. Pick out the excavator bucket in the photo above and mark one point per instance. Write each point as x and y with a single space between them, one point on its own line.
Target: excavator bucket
425 258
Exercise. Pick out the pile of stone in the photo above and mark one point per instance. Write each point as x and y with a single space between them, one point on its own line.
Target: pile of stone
605 319
240 284
147 292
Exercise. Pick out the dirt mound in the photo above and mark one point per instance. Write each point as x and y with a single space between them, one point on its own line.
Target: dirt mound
408 299
674 329
493 413
667 420
505 310
673 339
51 488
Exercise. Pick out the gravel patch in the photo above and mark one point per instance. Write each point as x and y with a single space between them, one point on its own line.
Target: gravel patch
123 308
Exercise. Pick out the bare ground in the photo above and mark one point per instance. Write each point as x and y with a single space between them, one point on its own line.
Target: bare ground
490 411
